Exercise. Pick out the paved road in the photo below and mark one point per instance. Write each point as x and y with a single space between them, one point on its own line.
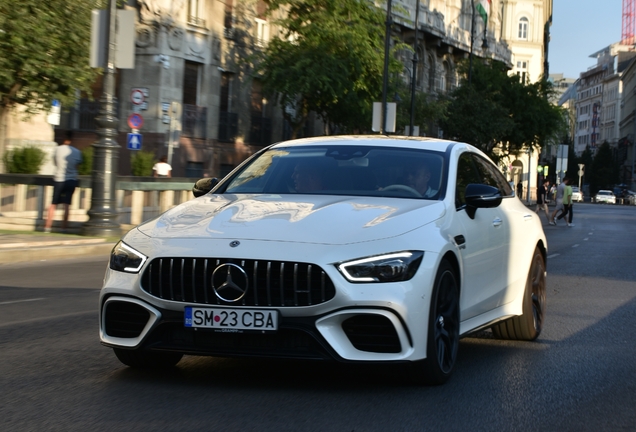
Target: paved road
579 376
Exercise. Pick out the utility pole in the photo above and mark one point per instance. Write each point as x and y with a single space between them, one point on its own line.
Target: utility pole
472 41
103 214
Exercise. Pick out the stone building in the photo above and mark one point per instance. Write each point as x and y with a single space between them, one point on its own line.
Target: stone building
195 54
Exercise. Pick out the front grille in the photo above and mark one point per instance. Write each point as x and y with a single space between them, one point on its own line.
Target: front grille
125 319
269 283
372 333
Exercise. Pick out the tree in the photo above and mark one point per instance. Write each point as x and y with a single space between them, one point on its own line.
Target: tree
604 172
329 59
44 49
495 110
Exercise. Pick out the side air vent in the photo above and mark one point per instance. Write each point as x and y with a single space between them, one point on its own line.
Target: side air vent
372 333
124 319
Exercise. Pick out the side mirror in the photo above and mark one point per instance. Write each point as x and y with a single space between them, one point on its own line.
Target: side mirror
203 186
481 196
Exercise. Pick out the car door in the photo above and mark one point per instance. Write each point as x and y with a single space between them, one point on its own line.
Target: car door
482 242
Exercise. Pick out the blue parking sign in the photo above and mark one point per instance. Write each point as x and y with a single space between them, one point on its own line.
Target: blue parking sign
134 141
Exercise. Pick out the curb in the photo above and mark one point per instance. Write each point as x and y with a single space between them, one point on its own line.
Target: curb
30 253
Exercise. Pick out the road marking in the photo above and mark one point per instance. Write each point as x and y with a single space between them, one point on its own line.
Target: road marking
553 255
21 301
576 245
585 239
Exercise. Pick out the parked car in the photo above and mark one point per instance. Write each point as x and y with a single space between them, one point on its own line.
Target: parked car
605 196
577 194
353 249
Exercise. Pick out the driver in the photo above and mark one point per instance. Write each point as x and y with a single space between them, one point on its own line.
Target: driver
418 176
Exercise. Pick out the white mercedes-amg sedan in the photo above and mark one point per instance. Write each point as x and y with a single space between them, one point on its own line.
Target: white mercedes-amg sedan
346 248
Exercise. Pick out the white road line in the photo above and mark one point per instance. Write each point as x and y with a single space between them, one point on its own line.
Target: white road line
21 301
553 255
576 245
585 239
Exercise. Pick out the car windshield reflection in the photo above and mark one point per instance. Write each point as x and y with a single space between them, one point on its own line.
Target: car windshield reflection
343 170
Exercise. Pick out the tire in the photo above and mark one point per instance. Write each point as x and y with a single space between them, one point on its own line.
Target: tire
528 326
443 330
142 359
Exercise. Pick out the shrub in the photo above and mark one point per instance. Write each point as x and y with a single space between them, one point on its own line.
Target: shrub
86 167
141 163
24 160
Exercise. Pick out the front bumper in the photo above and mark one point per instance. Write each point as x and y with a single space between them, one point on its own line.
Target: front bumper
349 334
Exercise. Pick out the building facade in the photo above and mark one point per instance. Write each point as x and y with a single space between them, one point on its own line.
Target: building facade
192 61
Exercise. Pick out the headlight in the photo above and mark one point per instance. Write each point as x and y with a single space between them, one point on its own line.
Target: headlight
126 259
394 267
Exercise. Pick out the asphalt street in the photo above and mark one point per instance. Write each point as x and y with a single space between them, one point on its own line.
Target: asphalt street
580 375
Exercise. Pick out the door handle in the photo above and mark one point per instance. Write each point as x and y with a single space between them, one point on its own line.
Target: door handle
497 222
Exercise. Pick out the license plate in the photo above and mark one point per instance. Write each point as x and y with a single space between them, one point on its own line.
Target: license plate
224 319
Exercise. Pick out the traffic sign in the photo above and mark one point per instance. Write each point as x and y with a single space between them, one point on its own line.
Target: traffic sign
135 121
137 96
134 141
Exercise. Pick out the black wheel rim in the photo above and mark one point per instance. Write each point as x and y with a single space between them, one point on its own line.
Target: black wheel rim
537 279
446 325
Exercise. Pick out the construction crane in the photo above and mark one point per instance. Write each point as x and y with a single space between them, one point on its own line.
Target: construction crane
627 36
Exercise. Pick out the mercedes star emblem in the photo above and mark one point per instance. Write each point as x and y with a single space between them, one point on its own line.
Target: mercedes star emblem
229 282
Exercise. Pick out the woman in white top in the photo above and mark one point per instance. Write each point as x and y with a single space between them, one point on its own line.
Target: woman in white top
162 168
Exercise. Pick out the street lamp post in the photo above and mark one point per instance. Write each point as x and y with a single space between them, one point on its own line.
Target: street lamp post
103 215
385 77
472 41
414 75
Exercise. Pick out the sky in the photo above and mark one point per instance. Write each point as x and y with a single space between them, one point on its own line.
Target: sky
580 28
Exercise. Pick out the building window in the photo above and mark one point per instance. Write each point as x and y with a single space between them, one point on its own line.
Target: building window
523 28
522 71
191 83
262 32
229 19
195 13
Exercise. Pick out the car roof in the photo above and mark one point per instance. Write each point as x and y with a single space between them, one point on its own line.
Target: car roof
426 143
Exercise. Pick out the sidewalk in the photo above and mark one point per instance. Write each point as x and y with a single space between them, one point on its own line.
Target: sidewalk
21 246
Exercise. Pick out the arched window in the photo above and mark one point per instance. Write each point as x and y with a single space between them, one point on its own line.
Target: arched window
448 78
431 73
420 67
523 28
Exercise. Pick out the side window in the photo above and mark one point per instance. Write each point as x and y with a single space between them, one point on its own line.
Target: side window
466 174
491 176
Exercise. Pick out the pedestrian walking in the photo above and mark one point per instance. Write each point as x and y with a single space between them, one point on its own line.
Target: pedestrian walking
519 189
567 205
542 199
560 191
162 168
66 159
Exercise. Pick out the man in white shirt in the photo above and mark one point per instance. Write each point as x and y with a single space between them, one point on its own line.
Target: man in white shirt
66 159
162 168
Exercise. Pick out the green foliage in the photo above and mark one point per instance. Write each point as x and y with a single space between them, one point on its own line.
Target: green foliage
24 160
86 167
329 59
44 49
428 109
496 110
604 173
141 163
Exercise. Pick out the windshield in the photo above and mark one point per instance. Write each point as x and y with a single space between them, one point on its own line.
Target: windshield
343 170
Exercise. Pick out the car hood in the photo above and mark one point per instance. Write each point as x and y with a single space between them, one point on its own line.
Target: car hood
294 218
